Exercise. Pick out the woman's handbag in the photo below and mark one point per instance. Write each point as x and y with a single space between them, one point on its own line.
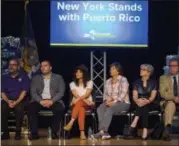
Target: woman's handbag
129 132
158 131
126 131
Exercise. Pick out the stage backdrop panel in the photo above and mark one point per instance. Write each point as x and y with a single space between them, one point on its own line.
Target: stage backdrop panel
10 48
99 23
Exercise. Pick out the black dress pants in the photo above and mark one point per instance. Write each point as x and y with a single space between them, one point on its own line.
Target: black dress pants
142 112
19 114
57 109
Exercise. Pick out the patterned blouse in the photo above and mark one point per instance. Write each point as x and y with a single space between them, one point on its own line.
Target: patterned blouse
117 91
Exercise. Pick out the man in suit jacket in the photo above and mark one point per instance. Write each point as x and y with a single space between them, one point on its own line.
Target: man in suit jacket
47 91
169 90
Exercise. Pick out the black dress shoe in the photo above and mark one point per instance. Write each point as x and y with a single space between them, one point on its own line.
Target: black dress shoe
5 136
33 137
18 136
166 134
166 138
54 135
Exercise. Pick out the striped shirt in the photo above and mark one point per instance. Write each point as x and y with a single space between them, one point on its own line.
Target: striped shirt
118 91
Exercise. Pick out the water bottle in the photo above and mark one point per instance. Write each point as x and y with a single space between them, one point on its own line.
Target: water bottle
89 133
49 133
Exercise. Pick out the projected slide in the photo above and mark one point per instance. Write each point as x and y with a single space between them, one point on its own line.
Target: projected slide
99 23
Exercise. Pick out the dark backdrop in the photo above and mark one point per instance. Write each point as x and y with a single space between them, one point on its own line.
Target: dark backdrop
163 38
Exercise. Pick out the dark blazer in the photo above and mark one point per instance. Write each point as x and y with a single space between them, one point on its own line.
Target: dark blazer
57 88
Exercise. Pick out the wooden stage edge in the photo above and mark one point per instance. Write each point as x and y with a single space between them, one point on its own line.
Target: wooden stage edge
44 141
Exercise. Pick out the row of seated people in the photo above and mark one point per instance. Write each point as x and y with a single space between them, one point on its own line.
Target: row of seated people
47 90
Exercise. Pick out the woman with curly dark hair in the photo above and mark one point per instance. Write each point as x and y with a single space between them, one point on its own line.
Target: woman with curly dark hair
81 89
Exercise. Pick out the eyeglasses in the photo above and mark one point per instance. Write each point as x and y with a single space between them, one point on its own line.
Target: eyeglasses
173 65
143 69
12 64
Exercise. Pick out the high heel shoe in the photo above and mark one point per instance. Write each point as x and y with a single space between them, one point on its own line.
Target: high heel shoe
82 137
68 127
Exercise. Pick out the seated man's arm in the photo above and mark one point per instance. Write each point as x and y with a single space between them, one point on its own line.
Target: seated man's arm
60 90
166 93
25 85
33 90
21 97
4 97
3 90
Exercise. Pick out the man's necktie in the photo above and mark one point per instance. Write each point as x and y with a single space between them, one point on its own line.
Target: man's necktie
175 89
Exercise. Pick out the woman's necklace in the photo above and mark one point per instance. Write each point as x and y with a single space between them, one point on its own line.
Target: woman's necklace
113 83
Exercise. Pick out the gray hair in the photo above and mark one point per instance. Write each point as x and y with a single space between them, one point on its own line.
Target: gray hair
174 59
148 67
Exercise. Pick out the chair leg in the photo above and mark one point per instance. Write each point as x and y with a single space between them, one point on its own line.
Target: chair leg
160 116
131 117
93 116
65 122
28 126
129 120
68 132
60 130
67 118
96 125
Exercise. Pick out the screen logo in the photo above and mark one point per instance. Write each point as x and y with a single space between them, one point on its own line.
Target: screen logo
95 35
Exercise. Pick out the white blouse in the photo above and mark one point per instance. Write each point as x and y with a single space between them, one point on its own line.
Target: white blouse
81 90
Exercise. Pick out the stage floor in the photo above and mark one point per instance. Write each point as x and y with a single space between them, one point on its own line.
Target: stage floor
44 141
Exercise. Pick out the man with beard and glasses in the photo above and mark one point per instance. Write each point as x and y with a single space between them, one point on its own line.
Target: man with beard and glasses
14 88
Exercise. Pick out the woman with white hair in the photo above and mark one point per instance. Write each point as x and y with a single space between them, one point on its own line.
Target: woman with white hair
144 93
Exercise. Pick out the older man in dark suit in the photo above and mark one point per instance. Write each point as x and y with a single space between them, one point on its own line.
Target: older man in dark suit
47 91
